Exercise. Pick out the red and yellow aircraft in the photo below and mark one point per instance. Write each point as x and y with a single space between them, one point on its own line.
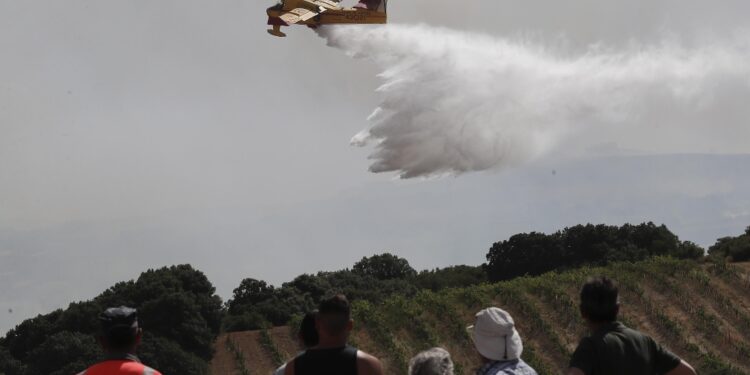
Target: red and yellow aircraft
314 13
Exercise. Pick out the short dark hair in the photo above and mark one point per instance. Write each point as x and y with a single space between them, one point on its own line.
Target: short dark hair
119 328
599 299
334 313
307 330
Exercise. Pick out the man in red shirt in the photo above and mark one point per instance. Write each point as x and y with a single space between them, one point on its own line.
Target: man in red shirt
119 338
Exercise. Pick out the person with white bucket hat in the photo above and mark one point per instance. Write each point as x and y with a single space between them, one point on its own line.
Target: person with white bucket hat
496 339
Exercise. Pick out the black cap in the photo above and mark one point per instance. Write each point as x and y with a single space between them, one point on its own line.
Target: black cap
119 318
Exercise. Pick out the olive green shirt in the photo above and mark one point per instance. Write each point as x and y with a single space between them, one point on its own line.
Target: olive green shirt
618 350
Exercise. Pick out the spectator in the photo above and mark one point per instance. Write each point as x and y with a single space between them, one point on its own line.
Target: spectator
120 336
436 361
499 345
333 356
307 336
612 348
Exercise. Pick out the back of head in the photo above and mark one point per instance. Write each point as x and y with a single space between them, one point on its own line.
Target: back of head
334 314
119 328
436 361
307 332
599 300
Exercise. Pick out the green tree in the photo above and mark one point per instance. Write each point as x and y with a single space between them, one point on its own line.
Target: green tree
315 287
536 253
177 307
246 321
525 254
177 317
689 250
250 292
591 244
169 357
384 267
63 353
450 277
31 333
186 280
8 364
736 249
255 304
357 286
80 317
658 240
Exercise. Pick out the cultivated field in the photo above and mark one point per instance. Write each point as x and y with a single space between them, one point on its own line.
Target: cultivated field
699 311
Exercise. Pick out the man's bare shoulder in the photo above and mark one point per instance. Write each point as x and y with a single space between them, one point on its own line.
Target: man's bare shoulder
289 370
368 364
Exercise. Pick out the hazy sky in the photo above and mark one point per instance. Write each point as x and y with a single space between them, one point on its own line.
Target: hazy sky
138 134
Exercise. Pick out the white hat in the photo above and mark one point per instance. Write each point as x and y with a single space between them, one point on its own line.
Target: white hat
495 336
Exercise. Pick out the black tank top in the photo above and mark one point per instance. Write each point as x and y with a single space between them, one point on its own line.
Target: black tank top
336 361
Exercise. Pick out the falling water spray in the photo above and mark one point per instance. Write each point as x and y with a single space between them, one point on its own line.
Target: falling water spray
455 102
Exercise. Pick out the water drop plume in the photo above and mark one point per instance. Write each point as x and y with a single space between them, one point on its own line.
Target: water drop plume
455 102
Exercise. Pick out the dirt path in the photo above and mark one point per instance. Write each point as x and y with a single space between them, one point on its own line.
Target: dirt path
256 359
223 362
282 338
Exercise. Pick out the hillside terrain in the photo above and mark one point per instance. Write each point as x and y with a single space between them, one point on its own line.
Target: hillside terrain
701 311
400 310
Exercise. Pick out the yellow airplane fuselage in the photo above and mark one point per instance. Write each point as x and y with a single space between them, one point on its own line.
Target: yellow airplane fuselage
332 15
342 16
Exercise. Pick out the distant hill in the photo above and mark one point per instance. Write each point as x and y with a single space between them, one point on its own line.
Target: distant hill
701 311
177 309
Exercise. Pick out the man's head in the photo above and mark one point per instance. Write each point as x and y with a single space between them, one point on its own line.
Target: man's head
436 361
599 300
308 335
334 318
120 332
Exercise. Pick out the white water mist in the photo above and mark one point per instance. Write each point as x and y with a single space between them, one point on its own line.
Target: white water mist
455 102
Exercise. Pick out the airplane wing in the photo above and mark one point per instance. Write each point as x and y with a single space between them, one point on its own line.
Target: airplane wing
298 15
326 4
303 14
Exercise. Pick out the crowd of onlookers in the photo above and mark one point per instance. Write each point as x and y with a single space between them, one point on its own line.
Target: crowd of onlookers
611 348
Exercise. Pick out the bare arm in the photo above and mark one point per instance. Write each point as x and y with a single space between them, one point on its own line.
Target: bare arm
289 370
368 365
575 371
683 368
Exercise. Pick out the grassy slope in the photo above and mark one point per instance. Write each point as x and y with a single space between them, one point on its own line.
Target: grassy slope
701 312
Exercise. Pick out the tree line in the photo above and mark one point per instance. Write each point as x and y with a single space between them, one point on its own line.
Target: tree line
584 245
255 304
732 249
178 311
181 314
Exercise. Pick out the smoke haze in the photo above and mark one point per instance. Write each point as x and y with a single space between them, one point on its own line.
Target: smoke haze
455 102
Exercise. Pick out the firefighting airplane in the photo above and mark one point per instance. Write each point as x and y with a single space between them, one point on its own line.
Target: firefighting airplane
314 13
